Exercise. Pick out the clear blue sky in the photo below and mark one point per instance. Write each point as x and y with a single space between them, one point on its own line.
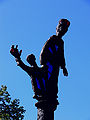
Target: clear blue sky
29 23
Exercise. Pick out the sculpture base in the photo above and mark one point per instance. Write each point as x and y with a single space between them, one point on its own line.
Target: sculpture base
46 109
44 114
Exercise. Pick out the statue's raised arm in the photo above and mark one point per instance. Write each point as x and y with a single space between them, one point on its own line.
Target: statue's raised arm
15 52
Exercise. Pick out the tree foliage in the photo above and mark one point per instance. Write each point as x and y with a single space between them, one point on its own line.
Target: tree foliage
10 110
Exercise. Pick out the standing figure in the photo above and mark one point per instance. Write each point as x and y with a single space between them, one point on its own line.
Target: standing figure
52 55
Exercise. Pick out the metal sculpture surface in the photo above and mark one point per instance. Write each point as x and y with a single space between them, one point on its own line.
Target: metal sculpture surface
45 79
52 55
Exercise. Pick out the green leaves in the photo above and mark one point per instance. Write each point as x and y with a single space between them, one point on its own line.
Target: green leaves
10 110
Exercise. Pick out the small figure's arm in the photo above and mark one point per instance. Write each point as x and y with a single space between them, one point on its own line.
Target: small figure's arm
16 53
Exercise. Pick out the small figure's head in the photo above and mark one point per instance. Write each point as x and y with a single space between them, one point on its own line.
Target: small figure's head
62 27
31 59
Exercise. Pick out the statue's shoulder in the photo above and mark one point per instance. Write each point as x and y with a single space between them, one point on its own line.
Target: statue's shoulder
49 42
53 37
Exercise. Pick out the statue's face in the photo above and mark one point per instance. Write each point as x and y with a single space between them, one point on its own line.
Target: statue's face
62 27
61 30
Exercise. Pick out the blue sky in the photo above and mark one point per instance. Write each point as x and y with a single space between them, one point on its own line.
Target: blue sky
29 23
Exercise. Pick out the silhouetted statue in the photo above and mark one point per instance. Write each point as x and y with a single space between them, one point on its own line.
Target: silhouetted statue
38 74
45 79
52 55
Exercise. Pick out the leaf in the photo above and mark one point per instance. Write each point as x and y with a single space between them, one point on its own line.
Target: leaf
10 110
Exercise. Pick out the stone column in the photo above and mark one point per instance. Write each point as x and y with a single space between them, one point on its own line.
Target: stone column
45 109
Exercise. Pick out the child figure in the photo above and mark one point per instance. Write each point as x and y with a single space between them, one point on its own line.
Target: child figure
38 75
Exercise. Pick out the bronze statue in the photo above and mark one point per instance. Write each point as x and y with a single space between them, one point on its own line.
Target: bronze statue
52 55
45 79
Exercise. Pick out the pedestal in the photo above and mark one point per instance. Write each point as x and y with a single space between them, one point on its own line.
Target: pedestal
45 109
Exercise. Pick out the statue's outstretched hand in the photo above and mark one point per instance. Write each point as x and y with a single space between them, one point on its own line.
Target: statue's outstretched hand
65 72
15 52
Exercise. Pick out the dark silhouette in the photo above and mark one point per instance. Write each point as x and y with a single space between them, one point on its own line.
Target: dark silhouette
45 79
38 74
52 55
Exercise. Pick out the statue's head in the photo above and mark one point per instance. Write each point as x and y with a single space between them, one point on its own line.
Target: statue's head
31 59
62 27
